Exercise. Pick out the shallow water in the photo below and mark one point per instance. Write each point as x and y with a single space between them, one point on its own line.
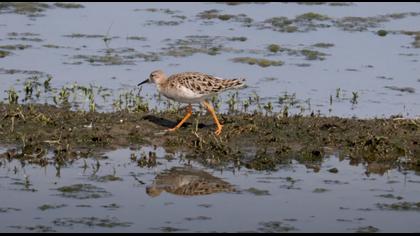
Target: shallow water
355 63
295 198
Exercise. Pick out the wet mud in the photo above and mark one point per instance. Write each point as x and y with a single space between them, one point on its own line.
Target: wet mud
253 140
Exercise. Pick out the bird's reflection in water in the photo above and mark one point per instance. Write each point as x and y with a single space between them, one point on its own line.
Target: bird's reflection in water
187 181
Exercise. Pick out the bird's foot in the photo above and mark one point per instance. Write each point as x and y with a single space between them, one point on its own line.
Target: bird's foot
171 129
218 130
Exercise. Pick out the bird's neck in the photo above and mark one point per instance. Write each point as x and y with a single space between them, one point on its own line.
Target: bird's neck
161 85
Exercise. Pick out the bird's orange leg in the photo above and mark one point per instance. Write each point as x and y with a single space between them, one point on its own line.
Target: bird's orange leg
189 113
211 110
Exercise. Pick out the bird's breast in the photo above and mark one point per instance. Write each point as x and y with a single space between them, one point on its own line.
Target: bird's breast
181 94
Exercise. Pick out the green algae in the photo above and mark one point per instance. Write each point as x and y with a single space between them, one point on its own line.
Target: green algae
192 44
320 190
15 46
367 229
8 209
313 55
80 35
51 46
390 196
107 222
163 22
216 14
139 38
106 178
107 59
168 229
240 38
337 4
48 207
257 192
4 53
36 228
323 45
400 206
309 16
257 61
382 33
274 48
68 5
159 10
82 191
401 89
275 227
112 206
24 8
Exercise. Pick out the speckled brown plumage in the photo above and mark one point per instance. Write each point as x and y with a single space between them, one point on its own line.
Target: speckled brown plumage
201 83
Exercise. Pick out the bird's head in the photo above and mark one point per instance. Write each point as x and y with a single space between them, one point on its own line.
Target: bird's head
156 77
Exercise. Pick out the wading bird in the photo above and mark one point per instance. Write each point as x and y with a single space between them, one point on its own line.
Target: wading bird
192 87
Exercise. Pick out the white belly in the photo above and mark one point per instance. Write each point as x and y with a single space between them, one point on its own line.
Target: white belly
182 94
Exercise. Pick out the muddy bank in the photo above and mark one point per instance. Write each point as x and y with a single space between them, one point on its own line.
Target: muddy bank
255 141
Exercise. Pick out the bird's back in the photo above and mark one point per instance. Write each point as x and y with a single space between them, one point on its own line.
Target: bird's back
193 87
201 83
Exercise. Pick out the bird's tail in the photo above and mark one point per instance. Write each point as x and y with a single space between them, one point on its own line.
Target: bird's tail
233 83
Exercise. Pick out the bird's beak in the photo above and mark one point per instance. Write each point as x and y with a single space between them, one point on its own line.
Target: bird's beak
146 81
